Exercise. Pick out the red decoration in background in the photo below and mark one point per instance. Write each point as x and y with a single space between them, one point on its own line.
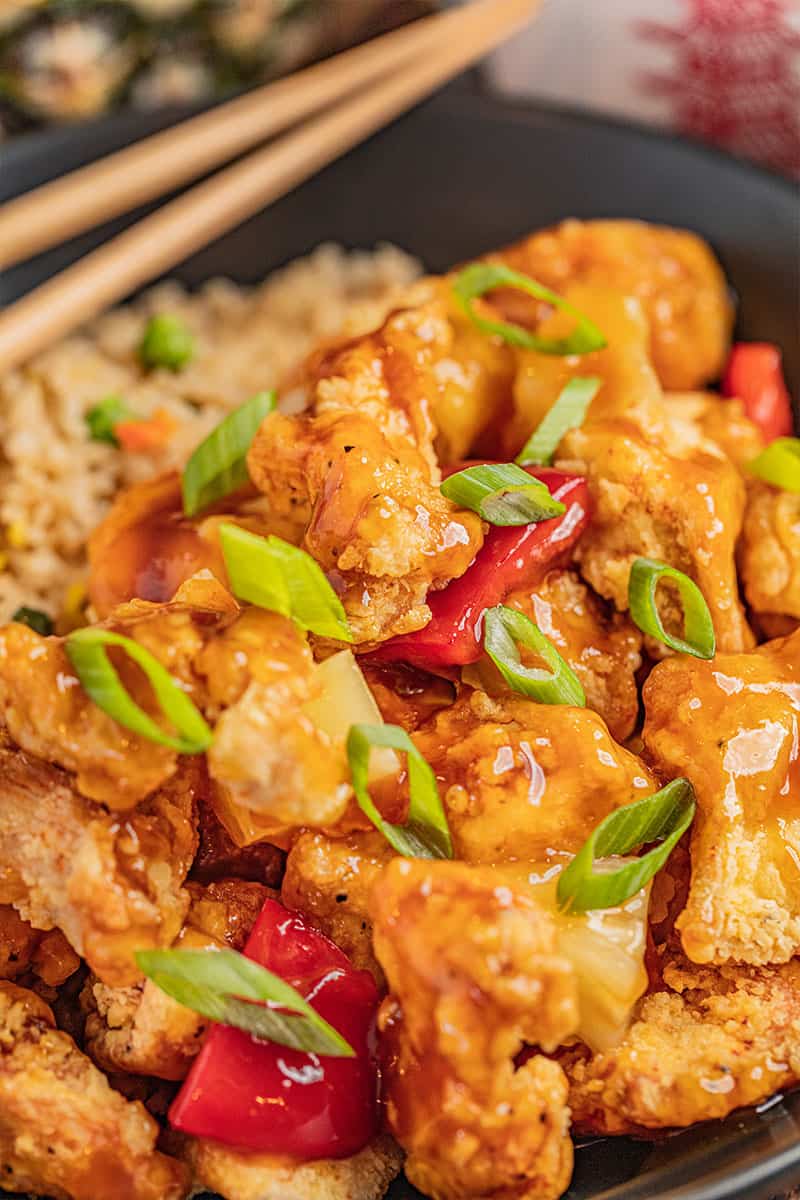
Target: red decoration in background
734 79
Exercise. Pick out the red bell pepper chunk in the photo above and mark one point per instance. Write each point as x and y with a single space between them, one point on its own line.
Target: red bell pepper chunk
754 375
257 1095
511 557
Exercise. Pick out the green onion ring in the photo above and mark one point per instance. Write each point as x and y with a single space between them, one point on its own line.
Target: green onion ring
219 464
221 983
698 628
275 575
663 817
568 412
779 464
86 649
425 833
481 277
504 630
502 494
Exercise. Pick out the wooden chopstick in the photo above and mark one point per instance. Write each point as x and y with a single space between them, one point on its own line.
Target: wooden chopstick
208 210
158 164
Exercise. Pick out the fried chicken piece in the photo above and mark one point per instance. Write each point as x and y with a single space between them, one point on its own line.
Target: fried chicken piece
112 887
139 1029
64 1132
329 880
238 1176
731 727
603 648
358 473
629 386
474 977
649 501
268 754
717 1039
672 272
24 949
524 781
699 418
48 713
769 551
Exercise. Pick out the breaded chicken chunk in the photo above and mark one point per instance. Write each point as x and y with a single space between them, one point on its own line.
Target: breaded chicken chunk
251 672
628 384
652 501
602 647
731 726
64 1132
715 1040
268 754
238 1176
358 472
112 887
672 272
699 418
139 1029
474 977
330 880
769 551
522 781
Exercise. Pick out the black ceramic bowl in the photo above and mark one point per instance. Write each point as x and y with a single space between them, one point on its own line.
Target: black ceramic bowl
464 173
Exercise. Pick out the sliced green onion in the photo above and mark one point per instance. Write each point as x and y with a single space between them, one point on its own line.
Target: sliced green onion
234 990
663 817
219 464
35 619
504 630
479 278
568 412
502 493
86 649
698 629
102 419
167 342
779 464
425 833
274 574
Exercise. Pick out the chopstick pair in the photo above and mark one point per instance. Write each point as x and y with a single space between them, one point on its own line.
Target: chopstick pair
352 95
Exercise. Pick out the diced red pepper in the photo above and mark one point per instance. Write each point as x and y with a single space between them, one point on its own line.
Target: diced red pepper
511 557
754 374
256 1095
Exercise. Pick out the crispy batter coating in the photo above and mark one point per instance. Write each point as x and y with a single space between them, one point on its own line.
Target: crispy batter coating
602 647
112 887
237 1176
731 727
139 1029
769 551
330 880
358 472
526 781
717 1039
672 272
64 1132
697 418
649 500
24 949
474 976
